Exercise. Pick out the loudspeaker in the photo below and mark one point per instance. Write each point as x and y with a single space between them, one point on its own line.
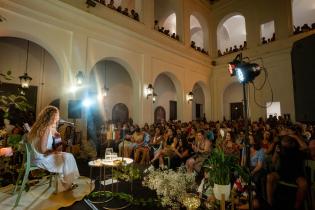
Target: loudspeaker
303 66
74 109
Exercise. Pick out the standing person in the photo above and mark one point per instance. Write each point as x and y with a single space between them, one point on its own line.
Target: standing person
291 153
40 137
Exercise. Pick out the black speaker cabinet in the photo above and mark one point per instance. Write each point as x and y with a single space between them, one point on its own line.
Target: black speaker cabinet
74 109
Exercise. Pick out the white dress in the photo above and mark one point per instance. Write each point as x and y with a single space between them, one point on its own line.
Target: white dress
62 163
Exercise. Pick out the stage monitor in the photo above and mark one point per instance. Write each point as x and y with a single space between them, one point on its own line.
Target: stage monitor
74 109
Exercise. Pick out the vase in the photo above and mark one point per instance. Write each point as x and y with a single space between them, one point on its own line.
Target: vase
218 190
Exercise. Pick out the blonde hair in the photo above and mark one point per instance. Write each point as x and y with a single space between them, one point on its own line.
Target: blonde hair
44 120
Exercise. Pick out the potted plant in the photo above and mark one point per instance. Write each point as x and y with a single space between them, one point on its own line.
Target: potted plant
221 167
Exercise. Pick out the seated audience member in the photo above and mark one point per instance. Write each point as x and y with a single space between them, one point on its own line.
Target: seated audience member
291 153
173 35
257 159
201 148
119 9
267 143
229 146
41 138
219 53
264 41
156 25
111 4
142 149
125 12
156 141
311 147
136 140
182 152
205 189
305 28
170 142
134 15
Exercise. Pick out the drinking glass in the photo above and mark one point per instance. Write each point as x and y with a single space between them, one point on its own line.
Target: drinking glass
108 153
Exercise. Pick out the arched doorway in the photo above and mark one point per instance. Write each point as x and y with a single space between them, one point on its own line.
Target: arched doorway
231 32
120 113
167 97
159 114
198 104
232 102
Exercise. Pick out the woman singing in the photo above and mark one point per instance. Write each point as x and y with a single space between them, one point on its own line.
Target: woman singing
41 138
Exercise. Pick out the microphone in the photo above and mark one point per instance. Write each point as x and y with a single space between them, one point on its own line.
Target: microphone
62 121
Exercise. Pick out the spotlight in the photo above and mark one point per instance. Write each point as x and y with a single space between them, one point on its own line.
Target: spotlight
245 71
90 3
87 102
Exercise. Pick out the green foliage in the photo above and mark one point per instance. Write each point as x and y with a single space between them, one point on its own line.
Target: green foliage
126 173
14 140
222 166
124 196
6 76
19 102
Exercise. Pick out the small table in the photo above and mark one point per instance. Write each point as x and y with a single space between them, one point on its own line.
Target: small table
98 164
115 163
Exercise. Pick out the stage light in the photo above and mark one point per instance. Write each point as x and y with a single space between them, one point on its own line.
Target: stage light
87 102
245 71
240 75
73 88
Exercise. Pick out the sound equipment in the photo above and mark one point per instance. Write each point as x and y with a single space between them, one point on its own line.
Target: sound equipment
74 109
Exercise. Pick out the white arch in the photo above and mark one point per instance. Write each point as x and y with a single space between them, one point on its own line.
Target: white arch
61 61
196 32
231 31
199 32
134 83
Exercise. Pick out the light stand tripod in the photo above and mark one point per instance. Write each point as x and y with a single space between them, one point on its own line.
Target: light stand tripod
247 148
245 72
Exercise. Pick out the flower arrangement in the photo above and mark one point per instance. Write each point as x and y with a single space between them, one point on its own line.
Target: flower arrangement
171 186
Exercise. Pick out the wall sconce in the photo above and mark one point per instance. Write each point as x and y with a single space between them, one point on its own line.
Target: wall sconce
105 91
79 77
190 97
25 80
149 90
154 97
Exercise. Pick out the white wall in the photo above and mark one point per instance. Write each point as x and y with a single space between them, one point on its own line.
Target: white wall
119 84
41 67
166 91
232 94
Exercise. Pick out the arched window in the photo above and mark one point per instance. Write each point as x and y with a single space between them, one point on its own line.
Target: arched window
196 32
170 23
303 12
231 32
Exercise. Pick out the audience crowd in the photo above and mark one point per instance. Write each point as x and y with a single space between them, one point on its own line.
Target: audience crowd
165 31
202 50
269 40
277 148
233 49
304 28
125 11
